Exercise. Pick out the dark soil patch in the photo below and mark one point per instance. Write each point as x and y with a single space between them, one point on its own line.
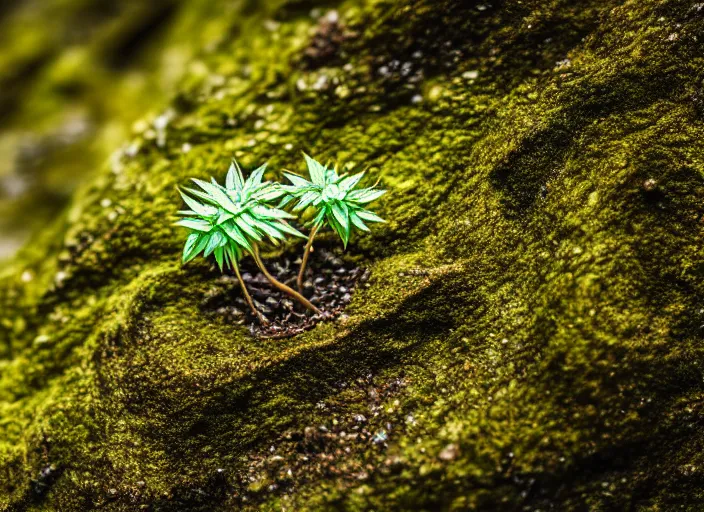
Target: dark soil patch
329 284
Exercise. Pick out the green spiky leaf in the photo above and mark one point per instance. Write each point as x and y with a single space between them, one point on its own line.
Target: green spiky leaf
365 195
256 177
298 181
191 242
219 254
358 223
228 221
336 199
198 208
316 170
350 182
234 179
236 235
369 216
195 224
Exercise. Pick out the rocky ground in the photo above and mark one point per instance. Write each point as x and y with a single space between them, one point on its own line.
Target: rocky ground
329 284
526 332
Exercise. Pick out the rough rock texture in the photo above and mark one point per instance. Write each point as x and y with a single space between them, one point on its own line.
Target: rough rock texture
531 333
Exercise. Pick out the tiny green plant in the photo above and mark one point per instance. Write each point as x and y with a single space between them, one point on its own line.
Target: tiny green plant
230 222
337 201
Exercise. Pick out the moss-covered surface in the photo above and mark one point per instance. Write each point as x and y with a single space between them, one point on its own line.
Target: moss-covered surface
74 76
531 333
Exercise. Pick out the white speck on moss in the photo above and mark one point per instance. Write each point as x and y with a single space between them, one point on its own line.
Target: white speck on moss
132 150
41 339
271 25
342 91
60 277
321 83
450 452
140 126
160 124
332 17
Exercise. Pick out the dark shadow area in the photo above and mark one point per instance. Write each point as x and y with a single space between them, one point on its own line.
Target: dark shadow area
126 46
14 84
292 9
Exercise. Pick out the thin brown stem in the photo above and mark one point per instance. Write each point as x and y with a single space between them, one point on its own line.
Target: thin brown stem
306 253
261 317
281 286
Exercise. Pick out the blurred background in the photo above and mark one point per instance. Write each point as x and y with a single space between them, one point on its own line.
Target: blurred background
76 78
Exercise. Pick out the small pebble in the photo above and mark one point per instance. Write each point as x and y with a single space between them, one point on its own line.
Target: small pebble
329 286
650 184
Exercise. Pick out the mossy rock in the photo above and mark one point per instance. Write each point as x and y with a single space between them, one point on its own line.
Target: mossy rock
530 336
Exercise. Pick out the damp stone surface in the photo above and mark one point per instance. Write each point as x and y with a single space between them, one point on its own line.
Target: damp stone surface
530 333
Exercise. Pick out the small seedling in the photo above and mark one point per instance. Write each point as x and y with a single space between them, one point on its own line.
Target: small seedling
229 222
338 203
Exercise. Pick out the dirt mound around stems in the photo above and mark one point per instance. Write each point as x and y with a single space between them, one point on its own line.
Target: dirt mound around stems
329 284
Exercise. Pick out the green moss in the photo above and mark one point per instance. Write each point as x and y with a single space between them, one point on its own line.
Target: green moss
532 342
